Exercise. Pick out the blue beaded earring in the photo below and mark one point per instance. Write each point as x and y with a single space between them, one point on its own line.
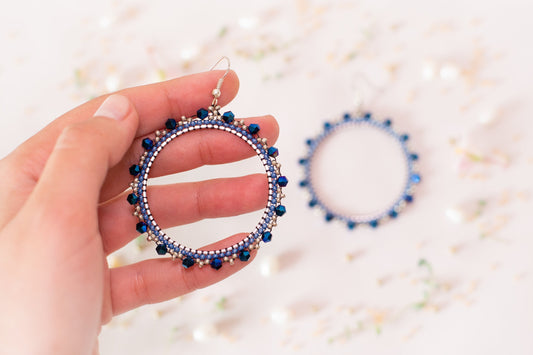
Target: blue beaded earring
351 220
210 118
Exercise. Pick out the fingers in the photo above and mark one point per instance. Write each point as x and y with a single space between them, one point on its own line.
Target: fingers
189 151
153 103
158 280
179 204
73 176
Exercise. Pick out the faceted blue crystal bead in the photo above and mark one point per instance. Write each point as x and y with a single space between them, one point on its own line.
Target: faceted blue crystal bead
283 181
327 126
387 122
408 198
347 117
302 161
171 124
329 217
413 156
135 170
267 237
280 210
216 263
202 113
304 183
228 117
373 223
309 141
244 255
133 199
161 249
148 144
141 227
254 128
393 214
367 116
404 137
313 203
188 262
415 178
351 224
273 152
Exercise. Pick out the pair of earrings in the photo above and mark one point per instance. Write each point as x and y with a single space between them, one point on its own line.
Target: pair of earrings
212 119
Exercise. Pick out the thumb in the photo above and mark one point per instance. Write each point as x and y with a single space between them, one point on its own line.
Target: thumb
83 154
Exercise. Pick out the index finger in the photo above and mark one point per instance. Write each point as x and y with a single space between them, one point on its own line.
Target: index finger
153 102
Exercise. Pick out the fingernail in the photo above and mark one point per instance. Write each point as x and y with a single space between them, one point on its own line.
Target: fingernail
115 107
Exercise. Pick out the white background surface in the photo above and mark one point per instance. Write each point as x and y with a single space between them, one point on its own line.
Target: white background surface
438 68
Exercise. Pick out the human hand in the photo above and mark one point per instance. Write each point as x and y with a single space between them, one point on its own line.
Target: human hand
63 210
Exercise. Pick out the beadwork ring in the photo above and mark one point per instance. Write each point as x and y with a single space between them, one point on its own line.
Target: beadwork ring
374 219
207 119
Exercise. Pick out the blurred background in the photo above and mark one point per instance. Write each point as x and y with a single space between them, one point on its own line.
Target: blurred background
451 276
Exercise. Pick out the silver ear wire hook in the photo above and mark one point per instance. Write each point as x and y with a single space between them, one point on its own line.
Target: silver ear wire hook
358 91
216 91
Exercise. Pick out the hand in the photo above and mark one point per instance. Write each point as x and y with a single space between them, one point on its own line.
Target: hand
63 210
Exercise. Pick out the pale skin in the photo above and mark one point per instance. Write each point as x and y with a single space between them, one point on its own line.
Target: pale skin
63 210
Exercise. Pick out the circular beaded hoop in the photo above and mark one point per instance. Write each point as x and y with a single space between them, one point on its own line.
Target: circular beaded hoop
386 213
207 119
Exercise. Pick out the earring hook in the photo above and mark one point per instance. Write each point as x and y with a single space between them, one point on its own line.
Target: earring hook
360 93
216 91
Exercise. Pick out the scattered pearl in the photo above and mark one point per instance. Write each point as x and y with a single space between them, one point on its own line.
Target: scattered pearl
280 315
205 332
455 215
449 72
428 70
189 53
112 83
248 22
269 265
488 116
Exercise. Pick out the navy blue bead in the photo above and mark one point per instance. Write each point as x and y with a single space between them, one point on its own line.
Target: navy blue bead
141 227
408 198
267 237
415 178
148 144
414 156
202 113
254 128
347 117
329 217
216 263
135 170
171 124
373 223
309 141
367 116
187 262
351 225
228 117
388 122
327 125
303 183
280 210
313 203
161 249
133 199
244 255
283 181
273 152
302 161
393 214
404 137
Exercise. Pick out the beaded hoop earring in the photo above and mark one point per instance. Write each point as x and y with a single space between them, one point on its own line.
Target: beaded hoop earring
208 119
352 220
